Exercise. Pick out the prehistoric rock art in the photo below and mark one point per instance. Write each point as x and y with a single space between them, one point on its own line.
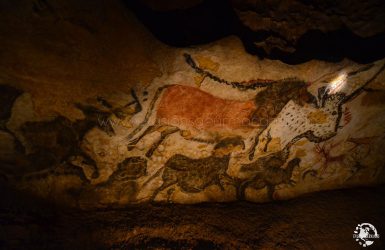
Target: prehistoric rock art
188 108
181 108
122 183
54 143
267 170
315 118
194 175
269 175
358 149
267 128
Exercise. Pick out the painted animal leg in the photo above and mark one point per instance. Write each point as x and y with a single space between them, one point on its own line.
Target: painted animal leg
252 149
148 130
207 141
292 183
230 179
289 170
242 188
88 161
169 194
310 172
218 182
163 136
267 142
254 145
161 188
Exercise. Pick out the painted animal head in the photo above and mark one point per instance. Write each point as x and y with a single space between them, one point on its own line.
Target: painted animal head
347 81
228 145
270 102
341 87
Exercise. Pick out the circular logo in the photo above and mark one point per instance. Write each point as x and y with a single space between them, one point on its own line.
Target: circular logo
365 233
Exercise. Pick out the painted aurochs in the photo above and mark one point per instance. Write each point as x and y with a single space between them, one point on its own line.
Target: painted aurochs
187 108
177 141
190 111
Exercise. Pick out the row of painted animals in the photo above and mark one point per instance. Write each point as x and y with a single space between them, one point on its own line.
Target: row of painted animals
267 171
289 89
178 107
195 175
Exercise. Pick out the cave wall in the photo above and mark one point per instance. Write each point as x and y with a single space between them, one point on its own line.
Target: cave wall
95 111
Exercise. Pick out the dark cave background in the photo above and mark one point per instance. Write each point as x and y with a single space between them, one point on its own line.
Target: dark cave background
211 20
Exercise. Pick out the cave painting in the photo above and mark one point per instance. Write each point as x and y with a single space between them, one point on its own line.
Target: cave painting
177 139
194 175
200 116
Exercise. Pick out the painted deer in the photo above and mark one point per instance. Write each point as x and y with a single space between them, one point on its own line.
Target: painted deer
200 116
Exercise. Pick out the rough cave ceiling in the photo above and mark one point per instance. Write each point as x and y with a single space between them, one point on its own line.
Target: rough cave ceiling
292 31
98 109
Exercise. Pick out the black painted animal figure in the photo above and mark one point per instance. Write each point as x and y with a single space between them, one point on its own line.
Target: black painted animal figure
101 116
195 175
55 143
268 172
121 186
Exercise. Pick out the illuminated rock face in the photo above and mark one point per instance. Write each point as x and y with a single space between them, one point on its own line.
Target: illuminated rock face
178 141
212 124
